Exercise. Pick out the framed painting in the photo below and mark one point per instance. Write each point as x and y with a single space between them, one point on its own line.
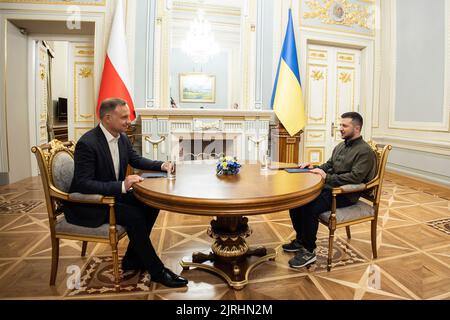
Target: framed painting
197 87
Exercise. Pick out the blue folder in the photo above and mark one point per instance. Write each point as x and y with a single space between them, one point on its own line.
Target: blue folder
154 175
297 170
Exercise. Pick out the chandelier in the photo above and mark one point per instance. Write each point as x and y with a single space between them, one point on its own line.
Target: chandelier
199 44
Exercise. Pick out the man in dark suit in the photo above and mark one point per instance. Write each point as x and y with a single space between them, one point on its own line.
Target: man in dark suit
101 158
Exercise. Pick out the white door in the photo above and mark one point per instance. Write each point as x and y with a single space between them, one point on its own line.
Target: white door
41 80
333 87
82 100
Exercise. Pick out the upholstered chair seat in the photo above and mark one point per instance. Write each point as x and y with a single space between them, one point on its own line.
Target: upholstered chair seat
63 227
347 214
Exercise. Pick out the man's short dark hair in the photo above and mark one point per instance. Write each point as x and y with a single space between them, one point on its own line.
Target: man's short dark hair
357 120
109 105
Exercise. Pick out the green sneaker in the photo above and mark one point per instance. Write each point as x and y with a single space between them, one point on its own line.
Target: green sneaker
302 258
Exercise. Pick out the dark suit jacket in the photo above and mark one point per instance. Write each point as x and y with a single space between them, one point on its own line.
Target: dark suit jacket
94 174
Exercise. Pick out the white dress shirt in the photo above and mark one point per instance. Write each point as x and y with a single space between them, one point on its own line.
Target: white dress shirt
113 143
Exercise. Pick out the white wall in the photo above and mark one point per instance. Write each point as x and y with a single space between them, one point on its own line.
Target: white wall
414 99
425 165
17 105
420 59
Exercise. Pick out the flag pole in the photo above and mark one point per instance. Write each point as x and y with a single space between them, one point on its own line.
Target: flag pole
287 96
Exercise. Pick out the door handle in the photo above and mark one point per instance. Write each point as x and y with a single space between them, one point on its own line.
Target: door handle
332 129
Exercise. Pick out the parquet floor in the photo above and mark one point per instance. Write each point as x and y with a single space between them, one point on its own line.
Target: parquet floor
413 248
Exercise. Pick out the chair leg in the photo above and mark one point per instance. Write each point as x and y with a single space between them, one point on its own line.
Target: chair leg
84 248
330 249
347 229
55 259
373 235
115 255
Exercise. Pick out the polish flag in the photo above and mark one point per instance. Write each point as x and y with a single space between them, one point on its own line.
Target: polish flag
115 78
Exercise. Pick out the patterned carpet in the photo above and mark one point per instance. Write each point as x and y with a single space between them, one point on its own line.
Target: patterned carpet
413 254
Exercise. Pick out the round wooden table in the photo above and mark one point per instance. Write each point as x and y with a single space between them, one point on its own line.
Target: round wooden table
197 190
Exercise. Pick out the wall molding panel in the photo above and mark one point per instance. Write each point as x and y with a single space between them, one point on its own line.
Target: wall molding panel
435 147
444 124
412 141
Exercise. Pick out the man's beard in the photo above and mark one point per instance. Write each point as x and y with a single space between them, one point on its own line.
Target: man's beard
350 136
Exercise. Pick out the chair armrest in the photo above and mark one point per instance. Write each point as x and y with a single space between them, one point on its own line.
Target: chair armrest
81 198
76 196
349 188
90 198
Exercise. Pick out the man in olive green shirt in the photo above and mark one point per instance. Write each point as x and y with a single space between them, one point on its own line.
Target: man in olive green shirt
353 161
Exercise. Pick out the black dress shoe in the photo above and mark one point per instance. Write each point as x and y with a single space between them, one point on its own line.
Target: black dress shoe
169 279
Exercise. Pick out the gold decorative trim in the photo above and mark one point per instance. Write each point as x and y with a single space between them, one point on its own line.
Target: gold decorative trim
237 285
75 95
85 52
339 12
373 145
226 251
317 120
309 151
345 77
345 57
317 54
64 2
315 136
317 75
85 72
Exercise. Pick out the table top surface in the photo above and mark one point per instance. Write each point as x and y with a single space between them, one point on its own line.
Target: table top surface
198 190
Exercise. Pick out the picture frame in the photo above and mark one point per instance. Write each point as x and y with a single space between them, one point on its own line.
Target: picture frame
337 12
197 87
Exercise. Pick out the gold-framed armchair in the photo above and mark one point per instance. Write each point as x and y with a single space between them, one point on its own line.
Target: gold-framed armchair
56 166
361 211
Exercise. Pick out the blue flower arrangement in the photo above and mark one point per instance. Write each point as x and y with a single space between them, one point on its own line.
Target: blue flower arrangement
227 166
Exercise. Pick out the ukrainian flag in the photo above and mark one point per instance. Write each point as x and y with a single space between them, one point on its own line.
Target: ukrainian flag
287 96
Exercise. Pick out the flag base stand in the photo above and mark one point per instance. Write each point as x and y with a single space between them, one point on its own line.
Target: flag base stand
284 147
